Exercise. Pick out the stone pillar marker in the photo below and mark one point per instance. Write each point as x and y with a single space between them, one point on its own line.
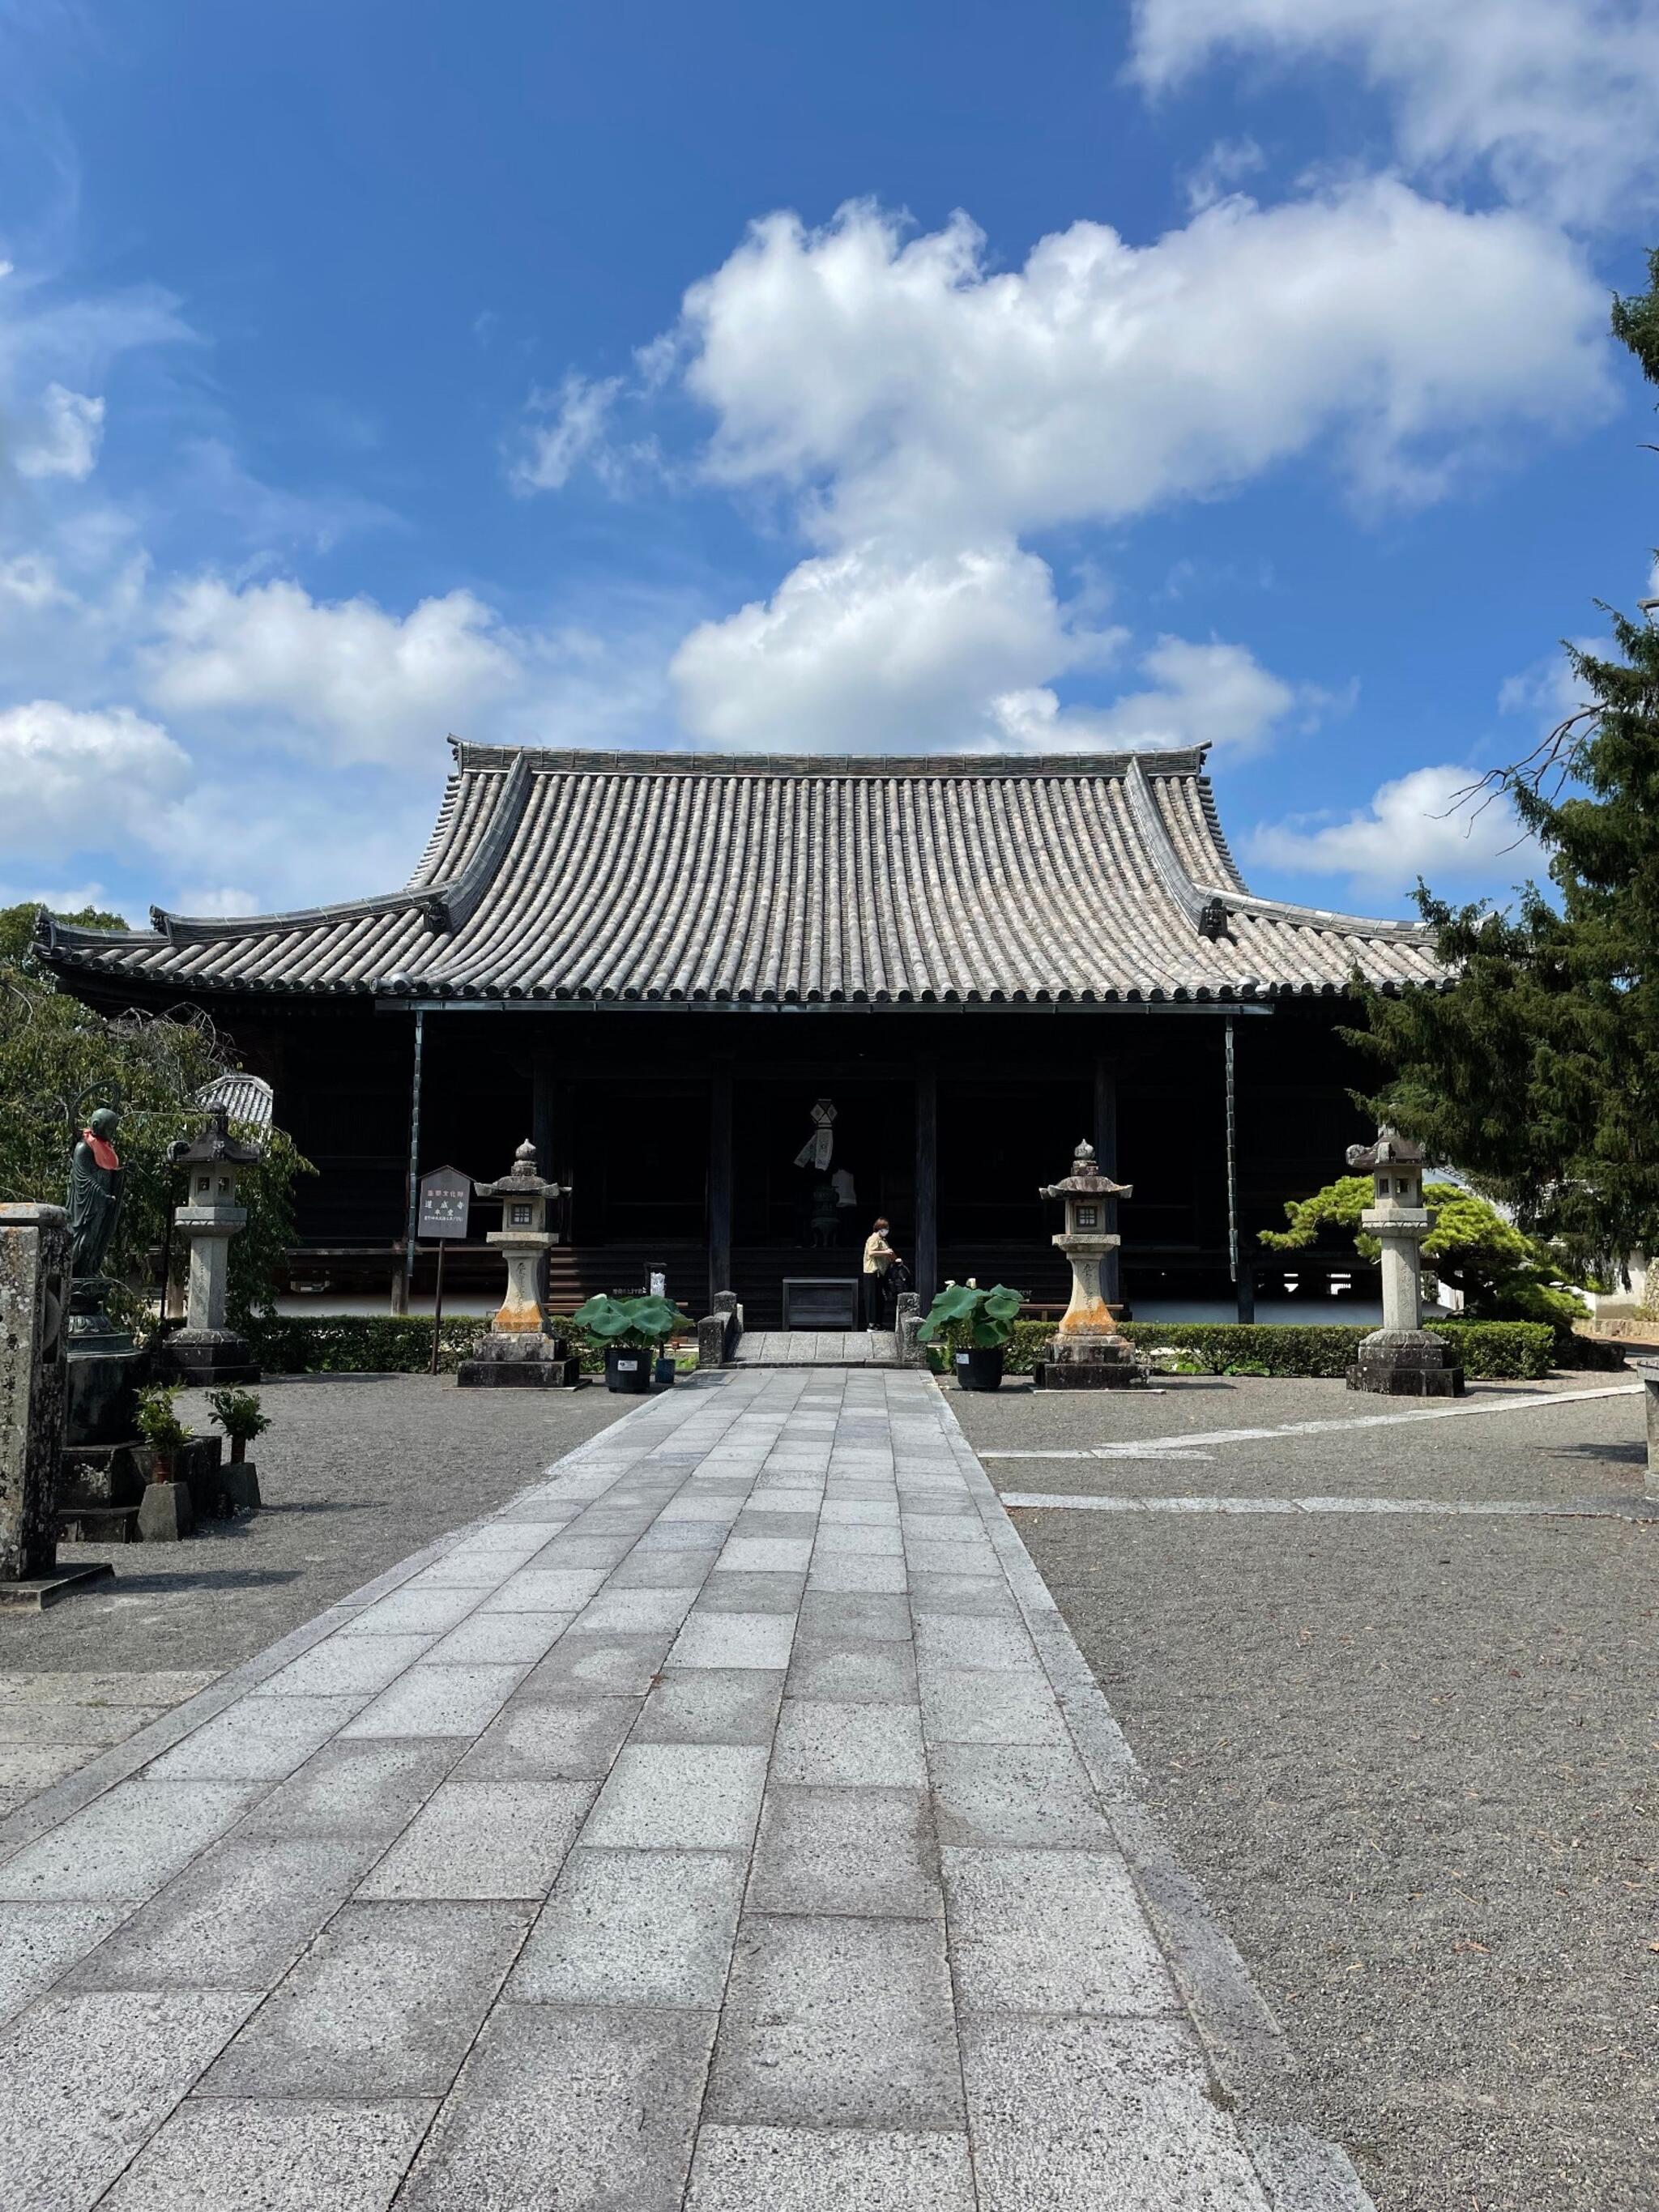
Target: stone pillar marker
204 1352
1088 1351
1401 1359
518 1349
34 1283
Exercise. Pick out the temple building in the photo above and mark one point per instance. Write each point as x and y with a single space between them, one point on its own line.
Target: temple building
743 1003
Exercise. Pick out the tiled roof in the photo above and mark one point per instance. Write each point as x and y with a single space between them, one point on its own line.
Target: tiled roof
673 878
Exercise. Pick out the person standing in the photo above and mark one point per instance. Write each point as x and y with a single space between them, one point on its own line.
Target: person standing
879 1257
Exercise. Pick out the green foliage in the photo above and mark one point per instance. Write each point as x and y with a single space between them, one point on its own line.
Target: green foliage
59 1058
963 1317
239 1414
377 1343
158 1419
1538 1071
629 1324
1504 1275
1490 1351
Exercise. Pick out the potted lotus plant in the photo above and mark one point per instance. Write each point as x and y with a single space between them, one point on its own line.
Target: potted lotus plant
972 1326
632 1333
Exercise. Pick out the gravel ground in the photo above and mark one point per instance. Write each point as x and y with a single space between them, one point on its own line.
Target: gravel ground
1410 1758
357 1471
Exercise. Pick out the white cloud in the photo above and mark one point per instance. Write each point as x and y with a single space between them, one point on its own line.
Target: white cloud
579 411
922 412
222 899
1555 99
1199 694
344 676
1423 823
858 650
64 438
82 781
1222 171
905 389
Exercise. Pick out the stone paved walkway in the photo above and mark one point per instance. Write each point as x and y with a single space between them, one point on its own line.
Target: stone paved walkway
823 1348
729 1822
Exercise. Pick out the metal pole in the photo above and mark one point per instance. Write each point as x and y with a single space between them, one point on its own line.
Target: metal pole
1232 1160
414 1155
437 1303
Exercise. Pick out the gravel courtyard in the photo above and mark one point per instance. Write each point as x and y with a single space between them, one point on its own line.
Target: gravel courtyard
1411 1757
358 1471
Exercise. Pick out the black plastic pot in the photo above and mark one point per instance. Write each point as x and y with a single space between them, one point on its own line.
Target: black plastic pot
663 1374
980 1368
628 1370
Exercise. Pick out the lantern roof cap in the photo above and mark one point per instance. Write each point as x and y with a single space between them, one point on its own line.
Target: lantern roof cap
1085 1180
522 1180
1390 1150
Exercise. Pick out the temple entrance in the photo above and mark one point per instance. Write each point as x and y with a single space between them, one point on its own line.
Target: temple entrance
799 1218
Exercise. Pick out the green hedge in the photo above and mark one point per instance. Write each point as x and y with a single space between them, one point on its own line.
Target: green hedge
372 1344
1490 1351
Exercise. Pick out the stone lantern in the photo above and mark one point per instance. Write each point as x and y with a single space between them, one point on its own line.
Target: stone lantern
204 1352
518 1349
1087 1352
1401 1359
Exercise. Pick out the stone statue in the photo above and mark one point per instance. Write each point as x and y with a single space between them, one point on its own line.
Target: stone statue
94 1195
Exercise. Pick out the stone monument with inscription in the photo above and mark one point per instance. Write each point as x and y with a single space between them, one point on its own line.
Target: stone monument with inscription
34 1281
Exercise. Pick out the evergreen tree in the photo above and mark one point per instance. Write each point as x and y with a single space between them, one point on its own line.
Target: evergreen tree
1537 1072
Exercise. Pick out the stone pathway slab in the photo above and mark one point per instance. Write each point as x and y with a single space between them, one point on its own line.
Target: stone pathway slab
729 1822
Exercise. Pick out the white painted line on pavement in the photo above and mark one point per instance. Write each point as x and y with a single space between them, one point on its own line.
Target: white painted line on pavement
1177 1447
1633 1510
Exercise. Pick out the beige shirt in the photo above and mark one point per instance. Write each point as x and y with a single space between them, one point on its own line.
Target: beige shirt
878 1254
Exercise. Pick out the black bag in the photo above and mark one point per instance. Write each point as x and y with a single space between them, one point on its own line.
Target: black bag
899 1277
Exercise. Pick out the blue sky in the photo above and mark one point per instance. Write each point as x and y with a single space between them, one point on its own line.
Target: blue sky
891 378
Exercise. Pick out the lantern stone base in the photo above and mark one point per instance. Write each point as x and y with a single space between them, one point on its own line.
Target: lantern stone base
1406 1362
520 1362
206 1359
1100 1363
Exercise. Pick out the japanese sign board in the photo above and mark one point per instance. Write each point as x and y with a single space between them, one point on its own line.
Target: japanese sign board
446 1197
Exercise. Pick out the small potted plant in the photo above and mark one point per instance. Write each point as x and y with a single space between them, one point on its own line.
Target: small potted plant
159 1424
973 1326
238 1413
632 1333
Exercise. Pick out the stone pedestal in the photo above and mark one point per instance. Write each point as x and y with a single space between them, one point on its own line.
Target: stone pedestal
105 1372
1086 1352
166 1512
34 1260
520 1362
101 1490
1401 1359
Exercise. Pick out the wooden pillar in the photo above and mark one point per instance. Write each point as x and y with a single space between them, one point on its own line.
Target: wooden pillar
926 1180
543 1136
404 1274
1105 1143
719 1180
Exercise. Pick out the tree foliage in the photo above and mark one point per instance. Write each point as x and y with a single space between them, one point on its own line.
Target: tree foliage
1504 1275
59 1058
1537 1072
